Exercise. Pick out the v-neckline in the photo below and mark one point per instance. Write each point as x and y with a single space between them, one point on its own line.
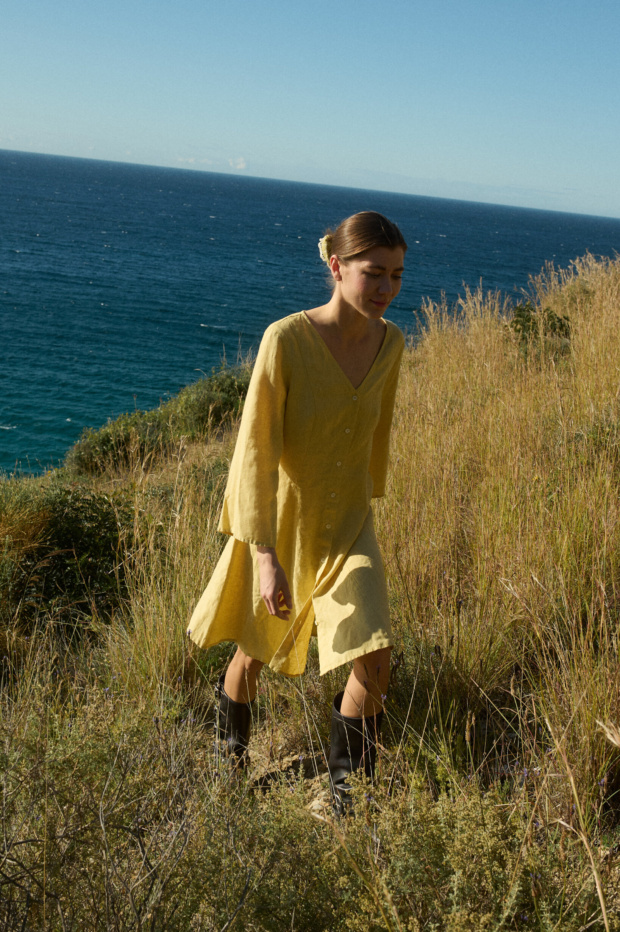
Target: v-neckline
356 388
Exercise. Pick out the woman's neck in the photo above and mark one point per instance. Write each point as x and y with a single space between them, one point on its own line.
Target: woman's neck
345 322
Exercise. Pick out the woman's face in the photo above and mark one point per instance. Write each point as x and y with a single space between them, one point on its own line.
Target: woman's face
369 282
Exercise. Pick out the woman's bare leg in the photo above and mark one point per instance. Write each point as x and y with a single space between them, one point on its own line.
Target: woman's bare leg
242 677
367 686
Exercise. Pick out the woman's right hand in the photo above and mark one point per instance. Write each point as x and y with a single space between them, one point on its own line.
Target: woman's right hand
274 588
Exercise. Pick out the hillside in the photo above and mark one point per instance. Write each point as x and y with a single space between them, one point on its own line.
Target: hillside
497 799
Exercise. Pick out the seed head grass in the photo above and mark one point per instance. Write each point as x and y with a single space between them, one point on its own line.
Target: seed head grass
495 803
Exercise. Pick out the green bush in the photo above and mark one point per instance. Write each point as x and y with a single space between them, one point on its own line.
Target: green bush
83 566
73 564
208 403
138 436
542 325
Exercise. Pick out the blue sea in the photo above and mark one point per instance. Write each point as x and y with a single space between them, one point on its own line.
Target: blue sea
120 284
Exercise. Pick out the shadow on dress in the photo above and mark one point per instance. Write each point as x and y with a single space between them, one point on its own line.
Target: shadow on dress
355 628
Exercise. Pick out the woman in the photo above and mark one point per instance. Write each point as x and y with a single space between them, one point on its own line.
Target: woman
312 450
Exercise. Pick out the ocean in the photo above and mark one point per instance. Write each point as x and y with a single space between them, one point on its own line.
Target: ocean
120 284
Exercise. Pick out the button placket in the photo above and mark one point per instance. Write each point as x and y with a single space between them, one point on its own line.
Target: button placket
345 446
333 496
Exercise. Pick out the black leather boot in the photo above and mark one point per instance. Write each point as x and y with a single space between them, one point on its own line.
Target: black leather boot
232 727
353 747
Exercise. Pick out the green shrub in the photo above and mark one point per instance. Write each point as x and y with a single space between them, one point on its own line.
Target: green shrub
72 565
142 435
83 566
129 438
540 324
208 403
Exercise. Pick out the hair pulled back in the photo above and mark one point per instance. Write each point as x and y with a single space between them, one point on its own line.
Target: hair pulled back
358 233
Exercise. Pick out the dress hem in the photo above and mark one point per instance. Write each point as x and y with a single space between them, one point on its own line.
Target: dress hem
355 654
350 655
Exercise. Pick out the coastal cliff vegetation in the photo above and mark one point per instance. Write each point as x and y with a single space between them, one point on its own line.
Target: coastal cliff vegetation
497 799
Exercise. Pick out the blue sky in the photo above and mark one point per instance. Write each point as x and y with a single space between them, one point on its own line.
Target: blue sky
490 100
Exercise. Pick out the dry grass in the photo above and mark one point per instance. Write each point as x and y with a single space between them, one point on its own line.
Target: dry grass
496 804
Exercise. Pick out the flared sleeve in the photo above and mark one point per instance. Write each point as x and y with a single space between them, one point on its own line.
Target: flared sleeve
381 439
249 512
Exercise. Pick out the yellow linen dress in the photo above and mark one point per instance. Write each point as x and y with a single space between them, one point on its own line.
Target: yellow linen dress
311 452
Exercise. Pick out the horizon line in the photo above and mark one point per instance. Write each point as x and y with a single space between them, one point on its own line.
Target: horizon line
317 184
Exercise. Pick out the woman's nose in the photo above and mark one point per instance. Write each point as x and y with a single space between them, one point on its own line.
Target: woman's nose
385 285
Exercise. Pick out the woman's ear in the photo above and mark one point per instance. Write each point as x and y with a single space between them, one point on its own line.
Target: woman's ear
334 264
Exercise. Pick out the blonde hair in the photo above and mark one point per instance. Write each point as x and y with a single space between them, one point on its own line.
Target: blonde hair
358 233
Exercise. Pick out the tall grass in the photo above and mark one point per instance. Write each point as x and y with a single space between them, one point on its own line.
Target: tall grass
502 525
495 805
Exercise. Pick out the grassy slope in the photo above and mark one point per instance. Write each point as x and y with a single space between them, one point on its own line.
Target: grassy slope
496 805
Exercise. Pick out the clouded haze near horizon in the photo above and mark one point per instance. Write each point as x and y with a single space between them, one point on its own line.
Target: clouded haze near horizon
483 100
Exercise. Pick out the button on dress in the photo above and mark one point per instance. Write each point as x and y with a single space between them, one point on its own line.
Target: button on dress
312 451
